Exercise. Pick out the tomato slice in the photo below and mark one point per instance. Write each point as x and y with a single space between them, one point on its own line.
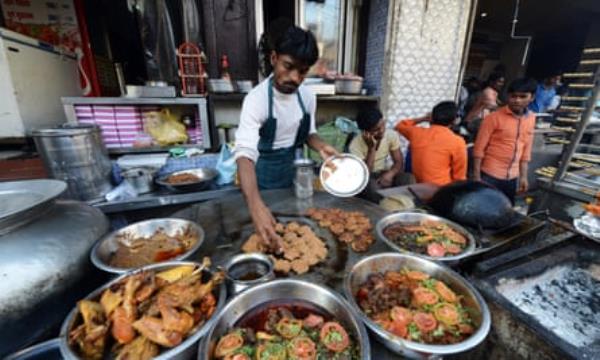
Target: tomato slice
289 328
334 336
452 248
424 296
228 344
447 314
417 275
425 322
401 315
445 292
313 321
397 328
302 348
436 250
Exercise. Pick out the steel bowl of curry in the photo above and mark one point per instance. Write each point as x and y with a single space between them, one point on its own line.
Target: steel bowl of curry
147 242
417 307
425 235
286 319
156 312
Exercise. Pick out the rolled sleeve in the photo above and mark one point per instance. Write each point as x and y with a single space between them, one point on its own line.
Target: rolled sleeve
247 134
483 137
406 128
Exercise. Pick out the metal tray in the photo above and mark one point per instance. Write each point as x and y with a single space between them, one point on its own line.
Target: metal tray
21 201
207 177
411 218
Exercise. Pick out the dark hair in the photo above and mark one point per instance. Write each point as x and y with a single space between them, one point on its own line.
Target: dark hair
299 44
495 76
523 85
368 118
444 113
267 43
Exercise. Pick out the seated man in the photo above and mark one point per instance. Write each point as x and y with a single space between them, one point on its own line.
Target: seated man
438 155
375 145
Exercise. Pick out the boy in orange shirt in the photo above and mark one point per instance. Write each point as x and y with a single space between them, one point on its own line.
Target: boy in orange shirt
438 155
503 147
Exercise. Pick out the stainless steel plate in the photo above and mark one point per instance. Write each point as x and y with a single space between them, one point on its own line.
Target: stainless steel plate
19 196
22 201
344 175
412 218
106 246
206 177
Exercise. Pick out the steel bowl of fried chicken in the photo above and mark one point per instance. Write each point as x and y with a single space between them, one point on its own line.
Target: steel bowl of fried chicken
156 312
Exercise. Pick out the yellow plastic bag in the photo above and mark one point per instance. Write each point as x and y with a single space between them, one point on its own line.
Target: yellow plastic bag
164 128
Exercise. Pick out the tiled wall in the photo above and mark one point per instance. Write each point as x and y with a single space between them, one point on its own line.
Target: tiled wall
378 15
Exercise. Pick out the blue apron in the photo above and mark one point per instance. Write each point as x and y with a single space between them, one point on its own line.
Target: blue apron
275 167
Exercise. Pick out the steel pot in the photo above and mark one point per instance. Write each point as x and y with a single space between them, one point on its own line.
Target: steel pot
106 246
185 350
286 290
411 218
394 262
242 264
44 258
142 179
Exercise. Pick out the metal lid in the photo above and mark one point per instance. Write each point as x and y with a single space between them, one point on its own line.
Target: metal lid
67 130
19 200
344 175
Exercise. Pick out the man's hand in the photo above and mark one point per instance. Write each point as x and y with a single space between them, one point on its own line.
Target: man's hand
477 177
264 224
326 151
523 184
386 179
369 140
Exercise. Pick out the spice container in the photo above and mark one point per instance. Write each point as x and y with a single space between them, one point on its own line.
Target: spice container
303 183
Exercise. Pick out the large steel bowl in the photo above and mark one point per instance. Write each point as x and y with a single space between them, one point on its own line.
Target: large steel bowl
393 262
106 246
285 290
185 350
412 218
206 176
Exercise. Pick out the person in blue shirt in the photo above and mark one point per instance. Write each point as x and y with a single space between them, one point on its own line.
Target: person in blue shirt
544 94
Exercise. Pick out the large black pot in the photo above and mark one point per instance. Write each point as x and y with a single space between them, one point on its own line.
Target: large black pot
474 204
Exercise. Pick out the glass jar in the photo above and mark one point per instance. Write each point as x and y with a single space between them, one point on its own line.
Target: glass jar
303 183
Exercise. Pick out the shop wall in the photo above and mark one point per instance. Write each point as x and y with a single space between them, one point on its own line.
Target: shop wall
425 51
378 17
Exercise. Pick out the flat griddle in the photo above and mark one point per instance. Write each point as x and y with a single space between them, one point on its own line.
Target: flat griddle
553 287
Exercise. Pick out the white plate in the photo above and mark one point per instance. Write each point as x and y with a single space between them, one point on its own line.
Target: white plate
344 175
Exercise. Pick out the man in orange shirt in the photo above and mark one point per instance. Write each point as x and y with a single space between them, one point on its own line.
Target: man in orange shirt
438 155
503 147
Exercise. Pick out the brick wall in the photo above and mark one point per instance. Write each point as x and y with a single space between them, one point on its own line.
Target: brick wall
378 15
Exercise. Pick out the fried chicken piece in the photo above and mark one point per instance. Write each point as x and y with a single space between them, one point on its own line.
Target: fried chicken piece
110 300
292 226
325 223
154 329
304 230
292 253
359 246
300 266
139 349
90 336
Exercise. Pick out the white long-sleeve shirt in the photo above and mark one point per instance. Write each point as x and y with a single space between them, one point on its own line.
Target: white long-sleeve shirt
286 110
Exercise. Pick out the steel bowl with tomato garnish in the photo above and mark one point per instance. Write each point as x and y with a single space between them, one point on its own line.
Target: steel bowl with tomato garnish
428 236
416 306
286 319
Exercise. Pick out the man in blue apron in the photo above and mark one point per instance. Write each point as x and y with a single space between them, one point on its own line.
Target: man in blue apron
278 117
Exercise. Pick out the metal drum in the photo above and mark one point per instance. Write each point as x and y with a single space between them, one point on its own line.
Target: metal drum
44 259
76 154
